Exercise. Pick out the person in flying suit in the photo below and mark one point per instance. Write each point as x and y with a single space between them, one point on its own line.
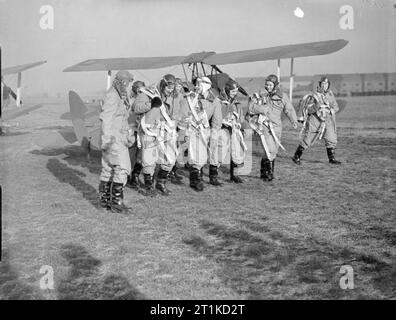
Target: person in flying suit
233 119
201 117
264 113
116 138
174 176
317 112
156 107
135 152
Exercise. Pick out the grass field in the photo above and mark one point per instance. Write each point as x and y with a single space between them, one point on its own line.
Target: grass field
286 239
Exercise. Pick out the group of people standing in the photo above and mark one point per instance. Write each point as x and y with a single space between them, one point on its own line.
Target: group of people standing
156 130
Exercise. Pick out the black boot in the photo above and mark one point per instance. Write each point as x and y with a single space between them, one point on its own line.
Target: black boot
233 177
331 155
213 173
297 155
162 178
133 181
195 179
271 172
265 170
149 185
174 177
117 199
104 194
262 169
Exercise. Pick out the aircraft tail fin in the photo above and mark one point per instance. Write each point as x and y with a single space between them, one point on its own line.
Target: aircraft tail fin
77 111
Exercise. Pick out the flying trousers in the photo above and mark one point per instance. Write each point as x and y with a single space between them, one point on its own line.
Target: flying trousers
158 136
116 138
135 152
232 147
318 110
271 108
202 133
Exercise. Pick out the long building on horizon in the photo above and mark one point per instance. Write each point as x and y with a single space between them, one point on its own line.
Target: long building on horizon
347 84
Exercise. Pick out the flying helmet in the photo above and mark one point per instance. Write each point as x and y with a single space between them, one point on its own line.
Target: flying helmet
230 85
274 79
205 82
124 75
136 85
324 79
167 80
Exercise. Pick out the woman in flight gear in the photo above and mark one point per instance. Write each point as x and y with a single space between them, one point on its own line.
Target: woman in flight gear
264 112
201 118
317 112
135 152
116 139
233 118
178 94
158 132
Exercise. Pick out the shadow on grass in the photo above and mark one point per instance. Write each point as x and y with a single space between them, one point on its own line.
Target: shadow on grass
380 232
11 134
15 113
85 282
71 176
11 288
55 128
263 263
368 229
75 156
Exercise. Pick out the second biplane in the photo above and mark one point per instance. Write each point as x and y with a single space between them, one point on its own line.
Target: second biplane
7 92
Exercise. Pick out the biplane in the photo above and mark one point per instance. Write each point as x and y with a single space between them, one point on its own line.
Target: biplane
200 63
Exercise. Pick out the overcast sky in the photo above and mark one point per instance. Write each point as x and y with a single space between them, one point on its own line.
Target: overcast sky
87 29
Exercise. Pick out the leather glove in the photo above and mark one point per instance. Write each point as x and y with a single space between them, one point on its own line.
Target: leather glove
156 102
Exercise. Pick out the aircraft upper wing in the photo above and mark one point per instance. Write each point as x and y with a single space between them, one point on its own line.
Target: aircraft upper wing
138 63
280 52
20 68
211 58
